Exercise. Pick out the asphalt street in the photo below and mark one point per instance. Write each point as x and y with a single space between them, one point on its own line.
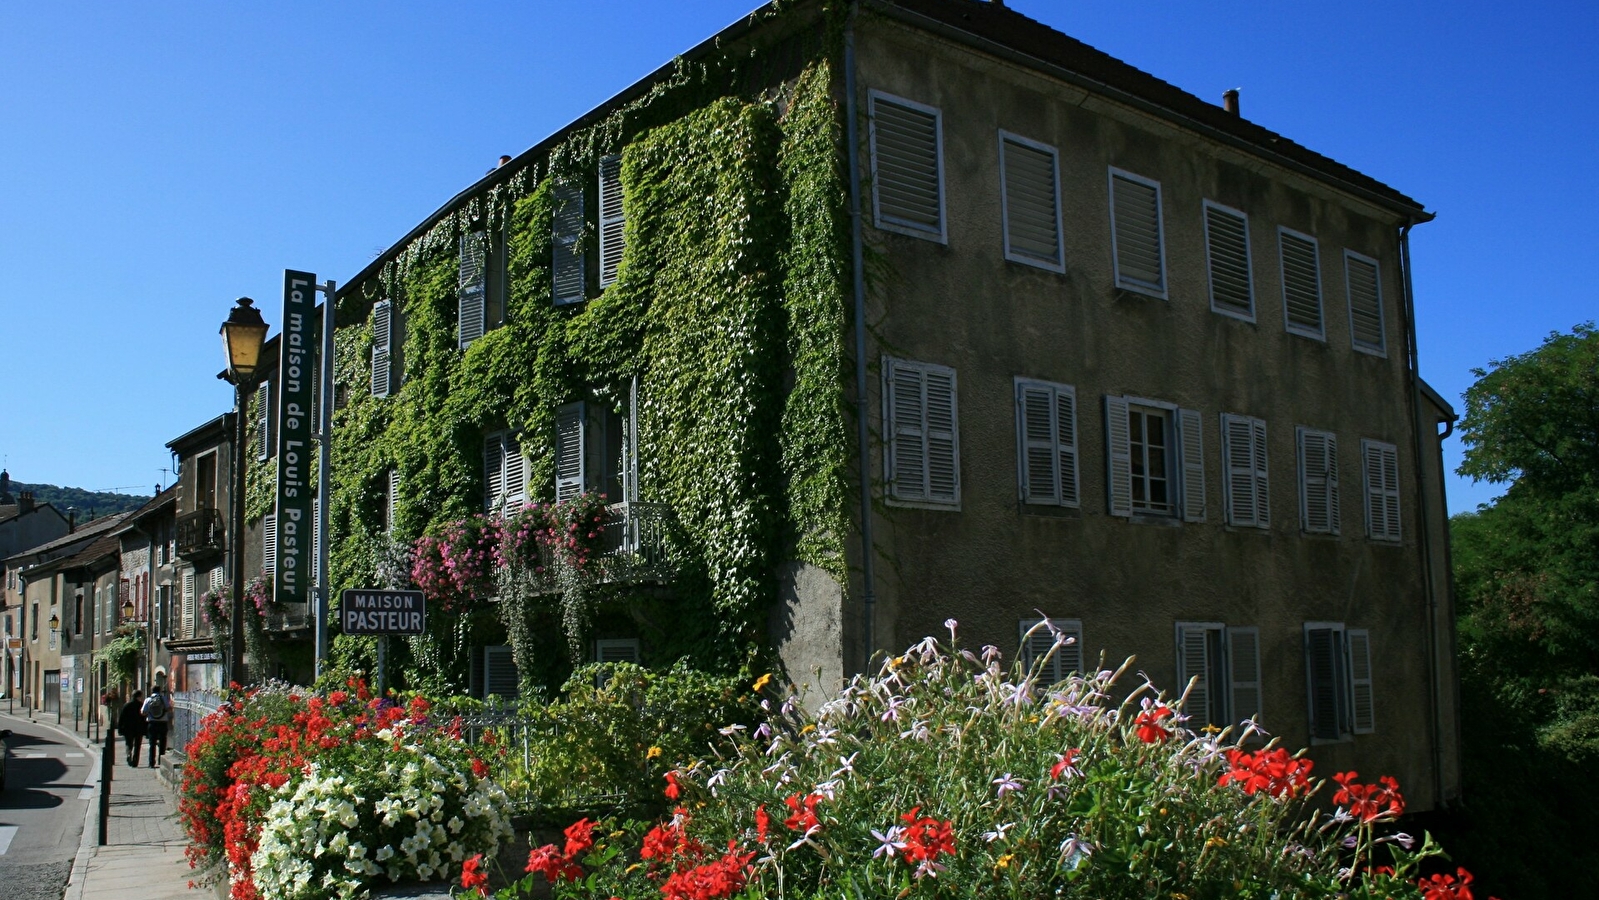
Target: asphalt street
48 788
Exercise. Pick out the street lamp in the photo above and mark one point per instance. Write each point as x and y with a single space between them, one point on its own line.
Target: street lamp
55 622
242 336
127 609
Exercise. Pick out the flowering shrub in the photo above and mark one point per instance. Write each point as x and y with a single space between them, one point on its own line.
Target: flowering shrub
259 596
948 775
571 530
395 797
455 565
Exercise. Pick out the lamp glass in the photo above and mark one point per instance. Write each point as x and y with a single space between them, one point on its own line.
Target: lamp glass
127 610
242 336
55 622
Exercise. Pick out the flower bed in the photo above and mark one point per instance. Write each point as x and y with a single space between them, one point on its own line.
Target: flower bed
290 795
948 776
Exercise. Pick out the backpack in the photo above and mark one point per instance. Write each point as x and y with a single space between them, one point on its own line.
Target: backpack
155 708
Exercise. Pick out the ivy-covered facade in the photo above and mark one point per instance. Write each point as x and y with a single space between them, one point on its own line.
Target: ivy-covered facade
861 316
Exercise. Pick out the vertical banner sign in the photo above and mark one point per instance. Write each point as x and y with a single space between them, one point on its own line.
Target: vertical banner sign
296 381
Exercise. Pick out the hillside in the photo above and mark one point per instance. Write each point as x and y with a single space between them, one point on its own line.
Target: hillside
95 504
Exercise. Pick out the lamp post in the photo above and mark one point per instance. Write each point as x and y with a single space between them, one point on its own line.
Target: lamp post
55 632
242 336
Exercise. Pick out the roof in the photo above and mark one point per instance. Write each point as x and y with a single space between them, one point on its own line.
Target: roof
997 29
1447 411
84 532
211 433
101 547
154 505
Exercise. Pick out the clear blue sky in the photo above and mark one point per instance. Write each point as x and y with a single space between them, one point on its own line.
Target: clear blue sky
159 159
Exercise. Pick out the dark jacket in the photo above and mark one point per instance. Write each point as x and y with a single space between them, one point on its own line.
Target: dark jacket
131 720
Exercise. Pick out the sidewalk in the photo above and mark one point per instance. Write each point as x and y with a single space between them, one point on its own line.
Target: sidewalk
143 857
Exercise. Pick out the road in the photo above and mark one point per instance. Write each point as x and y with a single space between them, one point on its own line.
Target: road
41 810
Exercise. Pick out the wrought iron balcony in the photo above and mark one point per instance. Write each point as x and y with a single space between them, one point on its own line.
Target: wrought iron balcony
633 543
200 533
295 617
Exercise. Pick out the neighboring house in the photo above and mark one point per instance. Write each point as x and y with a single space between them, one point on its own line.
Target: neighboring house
184 653
148 546
23 524
84 585
1130 361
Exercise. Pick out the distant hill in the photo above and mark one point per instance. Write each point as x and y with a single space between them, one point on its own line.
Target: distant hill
98 504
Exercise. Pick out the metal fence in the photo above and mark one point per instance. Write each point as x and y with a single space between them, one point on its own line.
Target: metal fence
188 709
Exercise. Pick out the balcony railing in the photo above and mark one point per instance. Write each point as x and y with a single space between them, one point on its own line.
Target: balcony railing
631 548
296 617
200 533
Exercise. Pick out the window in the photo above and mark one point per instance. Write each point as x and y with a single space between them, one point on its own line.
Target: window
569 451
263 420
186 623
219 576
1226 663
1361 278
1038 638
496 279
34 635
77 613
1248 498
907 166
504 470
1030 202
566 258
1381 462
500 677
473 289
1137 243
1227 253
164 610
612 221
1318 481
615 650
269 543
589 451
1046 442
1301 283
382 348
391 499
1155 453
922 460
1339 681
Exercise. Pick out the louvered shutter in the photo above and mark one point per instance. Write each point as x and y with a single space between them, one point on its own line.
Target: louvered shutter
1031 201
617 650
1238 448
473 288
269 544
493 469
1193 661
1136 233
1323 658
263 420
1037 640
393 510
612 223
1365 302
499 673
1318 481
1227 253
1119 457
1382 490
943 444
1066 443
186 626
316 536
905 411
1243 670
566 266
1192 442
907 167
219 579
382 338
1257 431
1301 283
570 451
1362 714
515 471
1040 456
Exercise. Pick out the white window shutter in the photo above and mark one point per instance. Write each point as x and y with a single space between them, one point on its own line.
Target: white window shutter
1382 490
1040 472
612 222
1323 665
393 510
1390 471
570 451
1030 201
269 543
905 412
1243 664
515 470
1361 276
493 469
1136 239
1037 640
1362 712
382 339
186 627
566 266
263 420
1238 449
1193 661
1192 438
1119 457
1227 253
1318 481
1066 441
943 442
219 578
1301 273
473 289
907 166
617 650
1257 431
499 673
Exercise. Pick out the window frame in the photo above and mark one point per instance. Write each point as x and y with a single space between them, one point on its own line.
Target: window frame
1249 261
1168 415
941 234
1059 263
1321 293
1381 350
1161 291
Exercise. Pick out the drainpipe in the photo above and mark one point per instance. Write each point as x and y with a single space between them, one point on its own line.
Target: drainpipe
1413 370
863 431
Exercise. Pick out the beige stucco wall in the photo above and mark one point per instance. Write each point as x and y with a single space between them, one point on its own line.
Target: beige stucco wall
962 305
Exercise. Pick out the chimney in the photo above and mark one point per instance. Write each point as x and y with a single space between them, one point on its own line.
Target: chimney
72 519
25 502
1229 101
503 160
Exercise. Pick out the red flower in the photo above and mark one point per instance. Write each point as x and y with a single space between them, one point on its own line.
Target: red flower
1148 722
672 789
762 823
1066 766
470 876
1272 771
479 768
579 838
1369 802
549 862
802 819
926 839
1445 887
712 881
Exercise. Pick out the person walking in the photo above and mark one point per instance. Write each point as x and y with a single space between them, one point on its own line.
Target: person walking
132 725
157 711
